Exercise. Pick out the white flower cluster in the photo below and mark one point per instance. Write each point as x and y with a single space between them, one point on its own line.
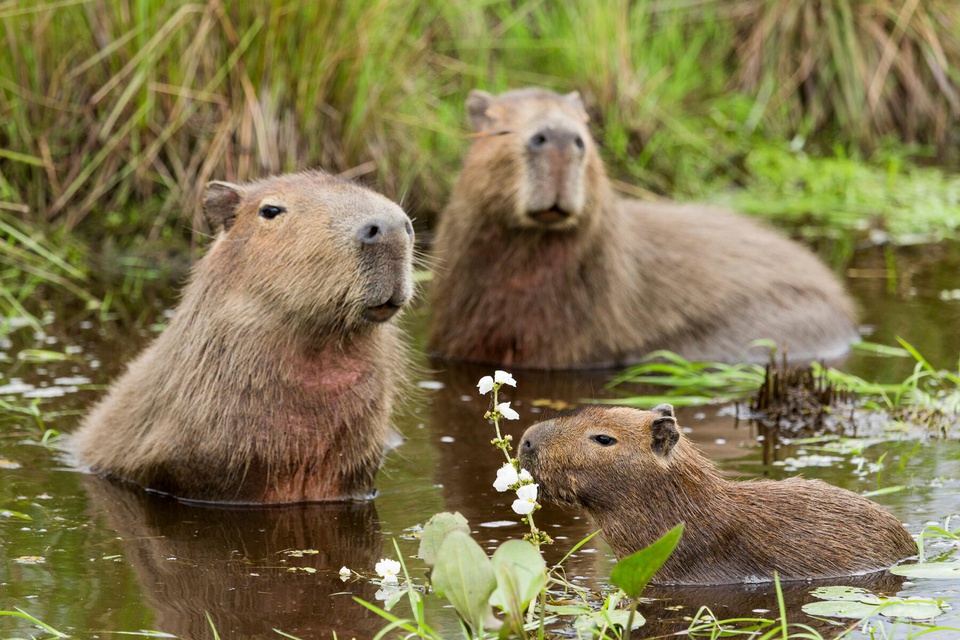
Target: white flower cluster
508 478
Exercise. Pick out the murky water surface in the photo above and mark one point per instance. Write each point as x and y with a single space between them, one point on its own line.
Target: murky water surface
92 558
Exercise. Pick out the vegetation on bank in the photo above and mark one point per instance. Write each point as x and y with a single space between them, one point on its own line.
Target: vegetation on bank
117 112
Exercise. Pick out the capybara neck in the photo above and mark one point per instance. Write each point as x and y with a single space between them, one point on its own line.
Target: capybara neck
637 476
539 264
275 380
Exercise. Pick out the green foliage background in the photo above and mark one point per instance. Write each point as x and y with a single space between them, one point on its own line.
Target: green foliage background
115 112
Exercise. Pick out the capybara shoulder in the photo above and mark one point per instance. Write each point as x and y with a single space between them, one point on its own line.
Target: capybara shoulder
276 377
637 476
540 264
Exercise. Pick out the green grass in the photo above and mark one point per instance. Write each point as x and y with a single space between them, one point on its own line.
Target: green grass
115 116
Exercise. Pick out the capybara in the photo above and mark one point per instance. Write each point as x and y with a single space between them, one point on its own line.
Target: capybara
540 265
637 476
276 377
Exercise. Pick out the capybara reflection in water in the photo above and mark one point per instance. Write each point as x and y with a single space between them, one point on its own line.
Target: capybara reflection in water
540 265
637 476
275 380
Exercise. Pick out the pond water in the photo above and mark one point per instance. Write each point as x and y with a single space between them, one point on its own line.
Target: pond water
93 558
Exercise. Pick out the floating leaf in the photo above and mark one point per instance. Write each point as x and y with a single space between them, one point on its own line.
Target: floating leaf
463 574
569 609
521 573
840 593
911 608
931 570
30 560
604 618
634 572
436 531
10 513
840 609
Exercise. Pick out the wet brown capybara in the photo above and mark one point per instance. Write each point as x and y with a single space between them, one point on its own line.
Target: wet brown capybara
275 380
637 476
540 265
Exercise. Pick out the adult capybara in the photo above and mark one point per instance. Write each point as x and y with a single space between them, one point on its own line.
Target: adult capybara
637 476
275 379
540 265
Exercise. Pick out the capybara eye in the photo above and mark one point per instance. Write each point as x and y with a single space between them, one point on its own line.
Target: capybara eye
538 141
604 440
579 142
271 211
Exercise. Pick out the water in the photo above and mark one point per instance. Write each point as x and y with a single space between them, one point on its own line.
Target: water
95 558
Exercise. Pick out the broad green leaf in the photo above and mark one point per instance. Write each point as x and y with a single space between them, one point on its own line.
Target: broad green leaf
436 530
463 574
634 572
840 609
911 608
840 593
521 573
931 570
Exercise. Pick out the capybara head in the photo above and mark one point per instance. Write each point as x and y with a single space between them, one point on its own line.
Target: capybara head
585 458
293 244
535 156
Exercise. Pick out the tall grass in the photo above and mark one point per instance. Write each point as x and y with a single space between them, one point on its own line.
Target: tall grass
116 112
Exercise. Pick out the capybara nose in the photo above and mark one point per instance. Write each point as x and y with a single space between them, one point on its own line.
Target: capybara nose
381 229
550 137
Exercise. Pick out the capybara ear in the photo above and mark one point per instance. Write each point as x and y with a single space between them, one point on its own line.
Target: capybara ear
665 409
664 435
574 100
220 203
477 103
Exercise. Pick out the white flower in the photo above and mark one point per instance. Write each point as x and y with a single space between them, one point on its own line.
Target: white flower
507 412
388 570
345 573
525 477
526 500
502 377
387 591
485 385
507 477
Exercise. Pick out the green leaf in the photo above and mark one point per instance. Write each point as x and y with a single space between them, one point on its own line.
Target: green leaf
41 355
604 618
521 574
634 572
911 608
931 570
840 593
840 609
436 531
464 575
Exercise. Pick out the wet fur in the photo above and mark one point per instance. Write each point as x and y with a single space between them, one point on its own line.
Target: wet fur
735 531
620 277
268 385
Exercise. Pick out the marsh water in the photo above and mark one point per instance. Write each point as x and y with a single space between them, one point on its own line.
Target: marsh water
93 559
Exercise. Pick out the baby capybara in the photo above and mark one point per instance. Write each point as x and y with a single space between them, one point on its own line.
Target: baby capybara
540 265
275 380
637 476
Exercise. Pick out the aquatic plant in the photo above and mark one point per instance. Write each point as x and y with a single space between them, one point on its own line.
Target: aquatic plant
928 397
516 575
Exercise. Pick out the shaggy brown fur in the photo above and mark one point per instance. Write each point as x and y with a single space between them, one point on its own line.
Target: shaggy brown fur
540 265
275 380
637 477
